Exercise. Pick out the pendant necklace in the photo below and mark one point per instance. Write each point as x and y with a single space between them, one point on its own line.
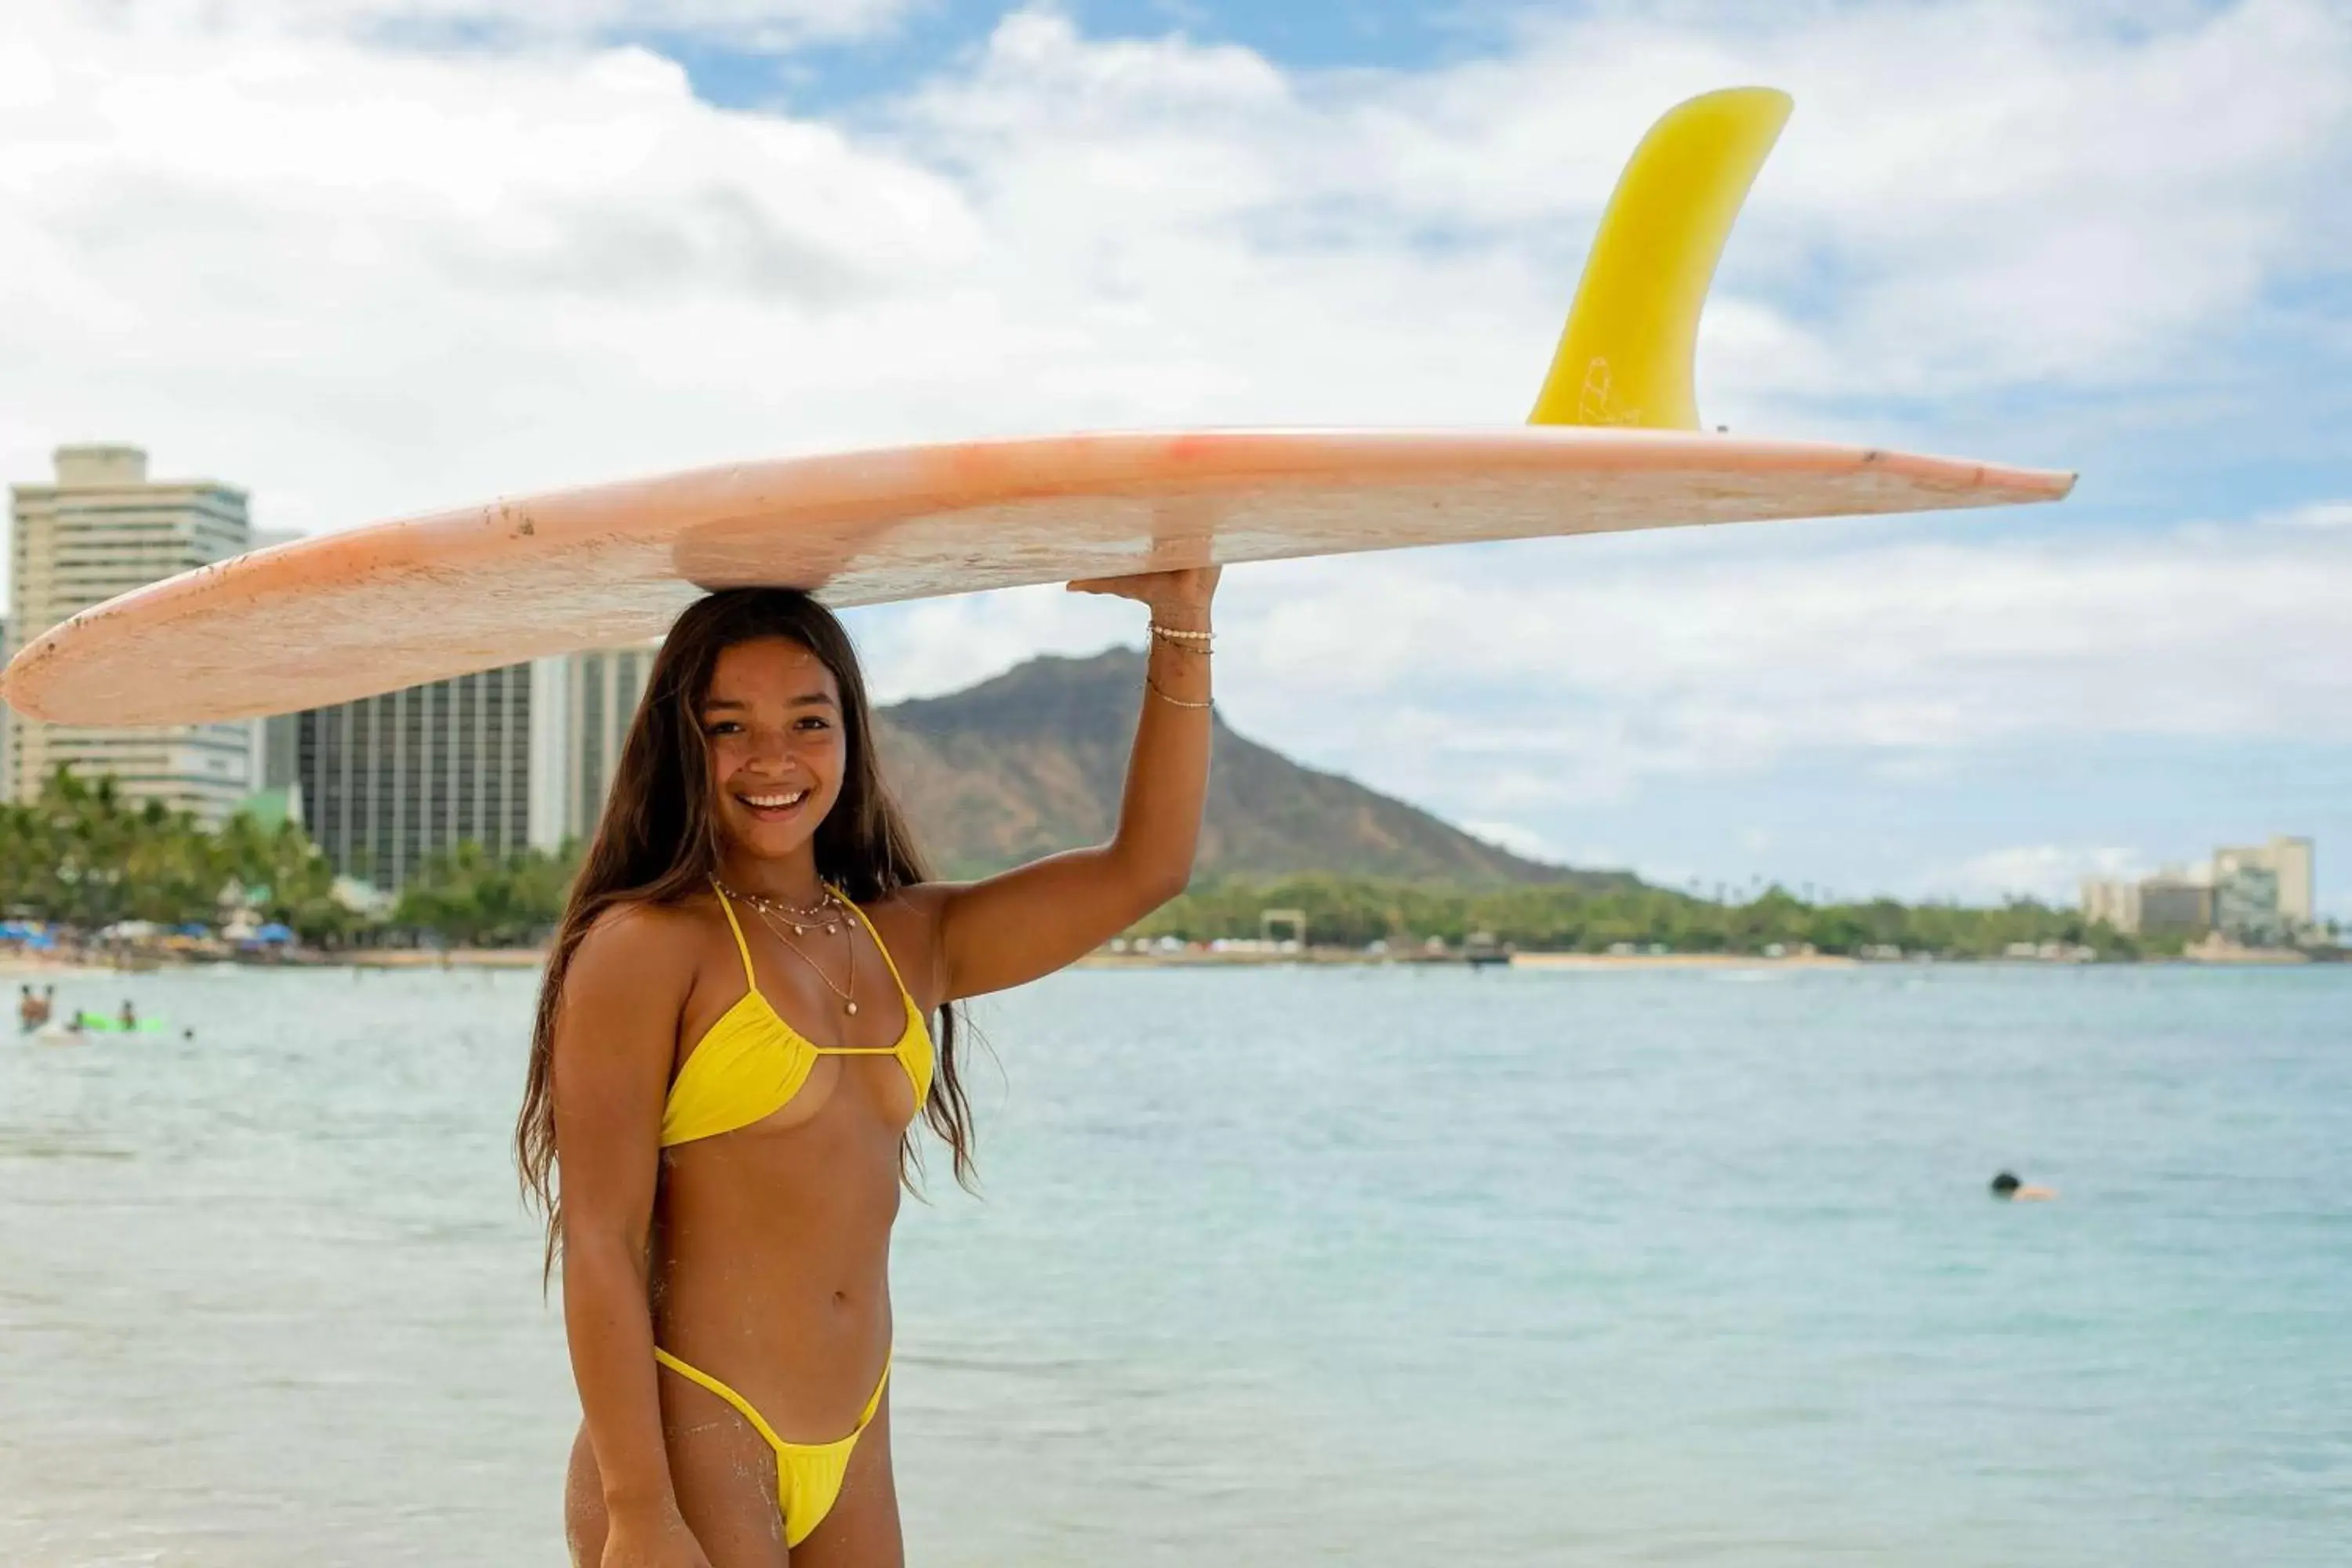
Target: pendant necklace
849 944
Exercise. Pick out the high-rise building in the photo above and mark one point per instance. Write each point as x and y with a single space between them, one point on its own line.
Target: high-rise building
2289 862
387 782
2114 900
510 757
588 701
2174 903
2246 906
103 528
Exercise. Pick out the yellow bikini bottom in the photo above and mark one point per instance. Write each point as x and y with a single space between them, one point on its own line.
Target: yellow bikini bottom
808 1474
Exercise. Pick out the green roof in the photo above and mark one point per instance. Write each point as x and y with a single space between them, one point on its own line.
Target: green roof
273 808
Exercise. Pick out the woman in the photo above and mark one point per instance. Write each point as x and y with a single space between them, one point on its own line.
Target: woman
732 1047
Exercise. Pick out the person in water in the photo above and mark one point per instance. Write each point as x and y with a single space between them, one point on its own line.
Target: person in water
749 1003
2009 1189
129 1018
29 1009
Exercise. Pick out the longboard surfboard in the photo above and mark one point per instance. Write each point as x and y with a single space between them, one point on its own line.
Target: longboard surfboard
1613 444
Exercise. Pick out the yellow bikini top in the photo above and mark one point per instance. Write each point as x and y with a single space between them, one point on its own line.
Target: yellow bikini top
751 1063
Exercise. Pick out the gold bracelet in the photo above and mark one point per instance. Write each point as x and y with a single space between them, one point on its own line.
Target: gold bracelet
1171 633
1154 688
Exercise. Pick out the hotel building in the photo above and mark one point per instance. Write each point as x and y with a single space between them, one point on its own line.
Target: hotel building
516 756
2258 896
100 529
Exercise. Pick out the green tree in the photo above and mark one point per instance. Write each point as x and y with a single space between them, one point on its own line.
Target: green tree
82 855
1352 911
469 898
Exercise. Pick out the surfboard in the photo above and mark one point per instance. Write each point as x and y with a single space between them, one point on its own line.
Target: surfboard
1614 443
108 1024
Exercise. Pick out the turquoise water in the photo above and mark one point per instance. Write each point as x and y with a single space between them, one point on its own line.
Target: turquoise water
1373 1265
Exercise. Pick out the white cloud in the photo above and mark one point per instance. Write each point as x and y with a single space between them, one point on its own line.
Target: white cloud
2318 514
770 23
1507 685
1572 670
1519 840
944 645
2052 873
363 280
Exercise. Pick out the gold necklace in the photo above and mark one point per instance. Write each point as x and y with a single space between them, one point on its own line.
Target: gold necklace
849 941
826 912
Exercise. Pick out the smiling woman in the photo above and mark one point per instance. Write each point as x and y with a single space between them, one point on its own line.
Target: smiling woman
733 1041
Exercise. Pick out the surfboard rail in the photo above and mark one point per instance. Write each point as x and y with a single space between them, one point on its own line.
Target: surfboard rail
342 615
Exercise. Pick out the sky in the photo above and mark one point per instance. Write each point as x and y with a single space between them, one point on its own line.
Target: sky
371 257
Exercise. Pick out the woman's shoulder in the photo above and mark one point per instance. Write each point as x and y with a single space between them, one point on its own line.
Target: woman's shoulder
910 907
906 919
648 936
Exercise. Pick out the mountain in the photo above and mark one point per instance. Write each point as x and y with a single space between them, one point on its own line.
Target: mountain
1032 762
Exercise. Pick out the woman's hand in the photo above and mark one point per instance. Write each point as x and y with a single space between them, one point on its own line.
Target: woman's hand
655 1539
1010 928
1177 599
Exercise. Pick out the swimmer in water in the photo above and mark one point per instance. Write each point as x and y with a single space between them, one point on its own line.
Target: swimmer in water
130 1015
2009 1189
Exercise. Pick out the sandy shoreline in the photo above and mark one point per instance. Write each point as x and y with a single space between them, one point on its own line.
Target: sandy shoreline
1349 956
28 966
1686 961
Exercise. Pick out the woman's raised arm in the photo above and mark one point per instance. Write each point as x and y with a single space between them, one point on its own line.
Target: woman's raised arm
1012 928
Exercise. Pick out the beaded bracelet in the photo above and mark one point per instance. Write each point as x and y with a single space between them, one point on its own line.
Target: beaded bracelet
1179 702
1172 633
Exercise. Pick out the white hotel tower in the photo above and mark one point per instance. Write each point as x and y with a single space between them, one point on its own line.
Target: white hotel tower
104 529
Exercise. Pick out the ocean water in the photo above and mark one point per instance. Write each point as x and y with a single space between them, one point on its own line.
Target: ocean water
1273 1266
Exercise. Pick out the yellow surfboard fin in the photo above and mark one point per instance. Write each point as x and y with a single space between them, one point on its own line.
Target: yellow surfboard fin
1626 355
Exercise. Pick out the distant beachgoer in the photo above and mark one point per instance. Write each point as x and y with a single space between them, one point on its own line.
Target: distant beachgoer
29 1009
2009 1189
130 1015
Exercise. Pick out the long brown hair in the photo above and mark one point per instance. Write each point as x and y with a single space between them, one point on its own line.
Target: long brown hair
657 843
